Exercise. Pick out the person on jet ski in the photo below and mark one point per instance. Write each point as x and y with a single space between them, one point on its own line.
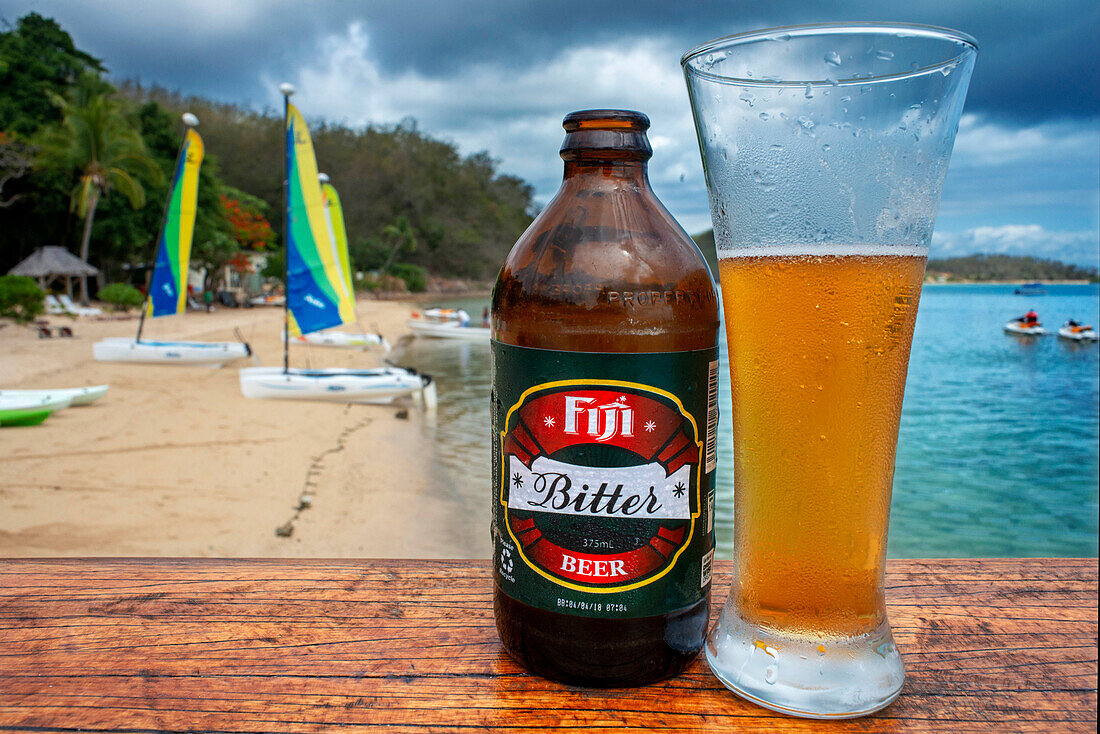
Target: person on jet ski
1028 319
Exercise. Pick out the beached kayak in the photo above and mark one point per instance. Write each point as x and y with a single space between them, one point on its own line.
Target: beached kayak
26 417
79 395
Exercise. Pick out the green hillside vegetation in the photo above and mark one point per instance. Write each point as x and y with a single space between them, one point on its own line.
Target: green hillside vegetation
1006 267
976 268
454 215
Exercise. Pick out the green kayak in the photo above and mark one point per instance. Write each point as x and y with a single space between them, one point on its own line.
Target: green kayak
23 417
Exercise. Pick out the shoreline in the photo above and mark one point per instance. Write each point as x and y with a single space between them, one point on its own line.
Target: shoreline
174 461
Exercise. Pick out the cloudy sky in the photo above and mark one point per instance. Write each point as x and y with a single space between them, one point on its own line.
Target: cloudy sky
498 75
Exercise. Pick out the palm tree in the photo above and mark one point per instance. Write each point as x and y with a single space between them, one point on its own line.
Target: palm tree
106 151
403 236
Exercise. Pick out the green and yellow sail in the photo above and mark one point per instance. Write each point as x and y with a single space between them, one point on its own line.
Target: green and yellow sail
318 296
168 287
338 231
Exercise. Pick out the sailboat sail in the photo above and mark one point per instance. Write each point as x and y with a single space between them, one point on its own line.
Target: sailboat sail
317 295
168 288
339 232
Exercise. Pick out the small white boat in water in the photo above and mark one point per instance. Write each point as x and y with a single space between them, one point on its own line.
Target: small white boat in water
343 339
1077 332
1021 328
78 395
448 330
336 384
151 351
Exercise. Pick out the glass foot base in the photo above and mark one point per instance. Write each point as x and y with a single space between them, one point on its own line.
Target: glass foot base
817 678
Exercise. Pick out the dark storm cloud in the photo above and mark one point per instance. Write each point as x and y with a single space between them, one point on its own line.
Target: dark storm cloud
1038 60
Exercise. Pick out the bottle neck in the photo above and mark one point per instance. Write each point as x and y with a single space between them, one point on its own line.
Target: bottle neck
626 171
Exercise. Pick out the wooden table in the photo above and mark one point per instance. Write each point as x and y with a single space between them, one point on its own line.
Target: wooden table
295 645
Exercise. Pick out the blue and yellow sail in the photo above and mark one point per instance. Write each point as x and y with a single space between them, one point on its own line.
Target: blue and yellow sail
317 293
338 231
168 288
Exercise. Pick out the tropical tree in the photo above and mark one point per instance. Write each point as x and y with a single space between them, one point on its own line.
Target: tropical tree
96 141
403 236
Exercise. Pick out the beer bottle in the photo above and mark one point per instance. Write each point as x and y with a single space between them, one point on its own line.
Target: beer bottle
604 370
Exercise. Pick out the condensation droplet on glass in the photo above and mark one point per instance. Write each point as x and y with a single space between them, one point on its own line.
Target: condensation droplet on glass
805 123
846 98
826 148
747 97
757 176
884 54
864 89
809 94
765 116
782 37
772 213
831 82
771 675
832 58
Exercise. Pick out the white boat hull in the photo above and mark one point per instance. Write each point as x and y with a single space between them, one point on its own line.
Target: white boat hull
1087 335
342 339
78 395
209 354
1015 327
448 330
334 384
22 402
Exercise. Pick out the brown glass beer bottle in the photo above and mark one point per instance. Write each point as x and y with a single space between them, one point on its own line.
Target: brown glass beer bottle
605 370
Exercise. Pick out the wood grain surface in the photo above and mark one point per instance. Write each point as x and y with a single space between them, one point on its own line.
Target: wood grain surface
140 645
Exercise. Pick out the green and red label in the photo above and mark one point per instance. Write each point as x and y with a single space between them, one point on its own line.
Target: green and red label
603 474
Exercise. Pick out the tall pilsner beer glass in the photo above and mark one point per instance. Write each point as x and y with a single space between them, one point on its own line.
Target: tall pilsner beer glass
825 149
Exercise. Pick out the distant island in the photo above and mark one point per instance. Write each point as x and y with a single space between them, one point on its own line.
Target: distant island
970 269
1011 268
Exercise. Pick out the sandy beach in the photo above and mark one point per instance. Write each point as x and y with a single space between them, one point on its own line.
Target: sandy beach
173 461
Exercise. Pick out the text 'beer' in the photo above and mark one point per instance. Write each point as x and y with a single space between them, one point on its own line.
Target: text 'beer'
604 369
818 350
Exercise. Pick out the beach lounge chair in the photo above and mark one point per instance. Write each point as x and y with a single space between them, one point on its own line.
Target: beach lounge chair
76 310
53 306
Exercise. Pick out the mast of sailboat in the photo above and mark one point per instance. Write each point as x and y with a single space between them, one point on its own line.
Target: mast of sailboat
190 121
287 90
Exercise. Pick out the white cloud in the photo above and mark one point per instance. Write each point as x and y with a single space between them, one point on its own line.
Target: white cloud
982 142
1079 247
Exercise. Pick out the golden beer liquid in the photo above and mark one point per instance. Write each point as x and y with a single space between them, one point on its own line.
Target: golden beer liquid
818 353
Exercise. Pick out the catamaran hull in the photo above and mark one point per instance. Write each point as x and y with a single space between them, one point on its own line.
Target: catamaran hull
343 340
448 330
78 395
206 354
336 385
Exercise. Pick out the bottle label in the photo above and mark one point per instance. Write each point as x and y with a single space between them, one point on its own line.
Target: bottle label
602 479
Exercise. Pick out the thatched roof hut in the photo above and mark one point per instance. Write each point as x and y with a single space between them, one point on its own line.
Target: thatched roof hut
47 263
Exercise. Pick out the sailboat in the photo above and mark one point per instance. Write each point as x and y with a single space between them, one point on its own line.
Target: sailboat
317 294
167 292
338 240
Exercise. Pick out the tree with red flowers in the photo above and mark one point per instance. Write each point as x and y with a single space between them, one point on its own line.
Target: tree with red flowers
250 227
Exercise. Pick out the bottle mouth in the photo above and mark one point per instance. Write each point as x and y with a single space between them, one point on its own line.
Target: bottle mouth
605 120
606 135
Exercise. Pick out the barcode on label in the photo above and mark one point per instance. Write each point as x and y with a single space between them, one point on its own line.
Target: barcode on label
704 578
712 417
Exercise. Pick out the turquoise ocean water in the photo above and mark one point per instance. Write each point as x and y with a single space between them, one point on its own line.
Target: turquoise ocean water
999 449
